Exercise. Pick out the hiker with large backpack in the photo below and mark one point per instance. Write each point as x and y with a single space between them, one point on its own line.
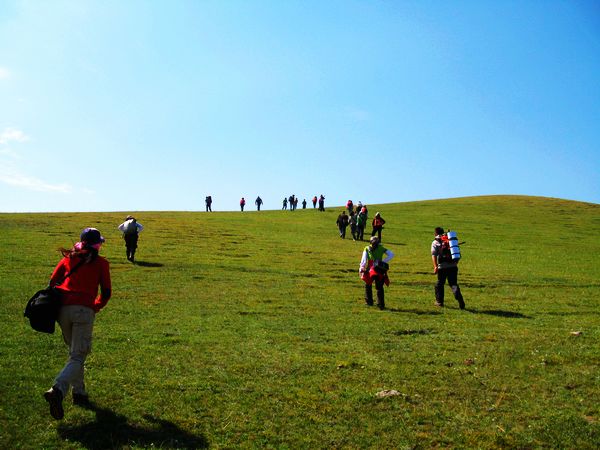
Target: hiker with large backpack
377 224
78 277
445 255
373 269
131 229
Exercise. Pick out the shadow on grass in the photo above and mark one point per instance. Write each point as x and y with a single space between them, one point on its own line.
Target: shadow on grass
148 264
418 312
500 313
111 430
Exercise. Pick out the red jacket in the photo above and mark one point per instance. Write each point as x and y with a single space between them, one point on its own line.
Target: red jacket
82 287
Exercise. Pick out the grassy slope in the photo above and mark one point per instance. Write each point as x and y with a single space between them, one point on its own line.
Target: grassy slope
250 330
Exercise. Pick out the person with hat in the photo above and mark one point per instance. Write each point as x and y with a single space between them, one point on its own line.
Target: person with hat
131 229
373 268
77 277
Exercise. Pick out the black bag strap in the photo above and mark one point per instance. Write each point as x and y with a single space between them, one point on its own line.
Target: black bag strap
68 274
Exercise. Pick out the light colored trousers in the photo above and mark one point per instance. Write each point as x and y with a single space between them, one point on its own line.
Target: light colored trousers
77 323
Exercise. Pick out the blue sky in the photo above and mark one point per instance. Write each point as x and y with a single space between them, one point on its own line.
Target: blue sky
152 105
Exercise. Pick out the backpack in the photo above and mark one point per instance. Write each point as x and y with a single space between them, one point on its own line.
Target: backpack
130 227
450 251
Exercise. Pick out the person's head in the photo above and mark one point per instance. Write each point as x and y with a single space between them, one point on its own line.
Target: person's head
439 231
377 214
129 218
374 241
364 209
91 237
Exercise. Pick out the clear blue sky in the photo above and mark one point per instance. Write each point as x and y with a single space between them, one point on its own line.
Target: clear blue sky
152 105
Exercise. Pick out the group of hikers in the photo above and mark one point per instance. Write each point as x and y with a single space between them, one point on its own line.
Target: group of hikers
292 201
357 219
82 277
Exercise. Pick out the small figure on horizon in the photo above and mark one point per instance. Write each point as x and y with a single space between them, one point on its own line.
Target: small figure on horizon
304 204
242 203
258 202
131 230
314 202
208 201
322 203
284 203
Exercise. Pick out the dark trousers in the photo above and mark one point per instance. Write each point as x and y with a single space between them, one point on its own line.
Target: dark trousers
342 231
380 295
360 232
131 241
378 231
450 274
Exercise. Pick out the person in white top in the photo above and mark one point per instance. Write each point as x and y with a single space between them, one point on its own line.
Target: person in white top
373 268
131 229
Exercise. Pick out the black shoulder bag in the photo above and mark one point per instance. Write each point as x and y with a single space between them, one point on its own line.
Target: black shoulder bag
42 309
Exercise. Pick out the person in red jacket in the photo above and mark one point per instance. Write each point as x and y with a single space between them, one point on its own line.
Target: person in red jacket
85 272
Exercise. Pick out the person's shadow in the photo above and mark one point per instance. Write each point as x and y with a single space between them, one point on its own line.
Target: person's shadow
111 430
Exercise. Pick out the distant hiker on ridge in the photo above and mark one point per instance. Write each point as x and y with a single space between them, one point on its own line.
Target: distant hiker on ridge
208 201
131 230
258 202
342 223
242 203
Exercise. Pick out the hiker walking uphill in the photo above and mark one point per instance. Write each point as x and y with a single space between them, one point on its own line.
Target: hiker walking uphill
373 269
131 229
208 201
78 276
445 265
361 223
242 204
284 203
342 223
352 223
258 202
322 203
314 202
377 223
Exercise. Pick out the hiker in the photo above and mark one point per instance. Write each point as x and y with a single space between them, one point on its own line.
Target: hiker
322 203
208 201
377 224
304 204
349 206
284 203
242 203
352 223
258 202
314 202
361 223
80 302
291 202
295 203
359 206
446 269
373 268
342 223
131 229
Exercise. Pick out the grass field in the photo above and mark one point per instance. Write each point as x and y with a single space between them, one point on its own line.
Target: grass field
249 330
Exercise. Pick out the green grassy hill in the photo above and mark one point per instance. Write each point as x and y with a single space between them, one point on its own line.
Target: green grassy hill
250 330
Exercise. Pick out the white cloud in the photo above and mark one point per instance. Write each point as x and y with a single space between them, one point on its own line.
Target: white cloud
14 178
12 135
4 73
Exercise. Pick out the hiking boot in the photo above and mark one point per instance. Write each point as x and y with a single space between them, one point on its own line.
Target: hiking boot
54 398
461 303
81 399
439 304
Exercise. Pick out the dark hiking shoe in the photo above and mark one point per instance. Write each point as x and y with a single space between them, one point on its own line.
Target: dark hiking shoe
81 400
461 304
54 398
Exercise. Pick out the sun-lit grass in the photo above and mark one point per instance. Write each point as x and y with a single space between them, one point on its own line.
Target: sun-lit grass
249 330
